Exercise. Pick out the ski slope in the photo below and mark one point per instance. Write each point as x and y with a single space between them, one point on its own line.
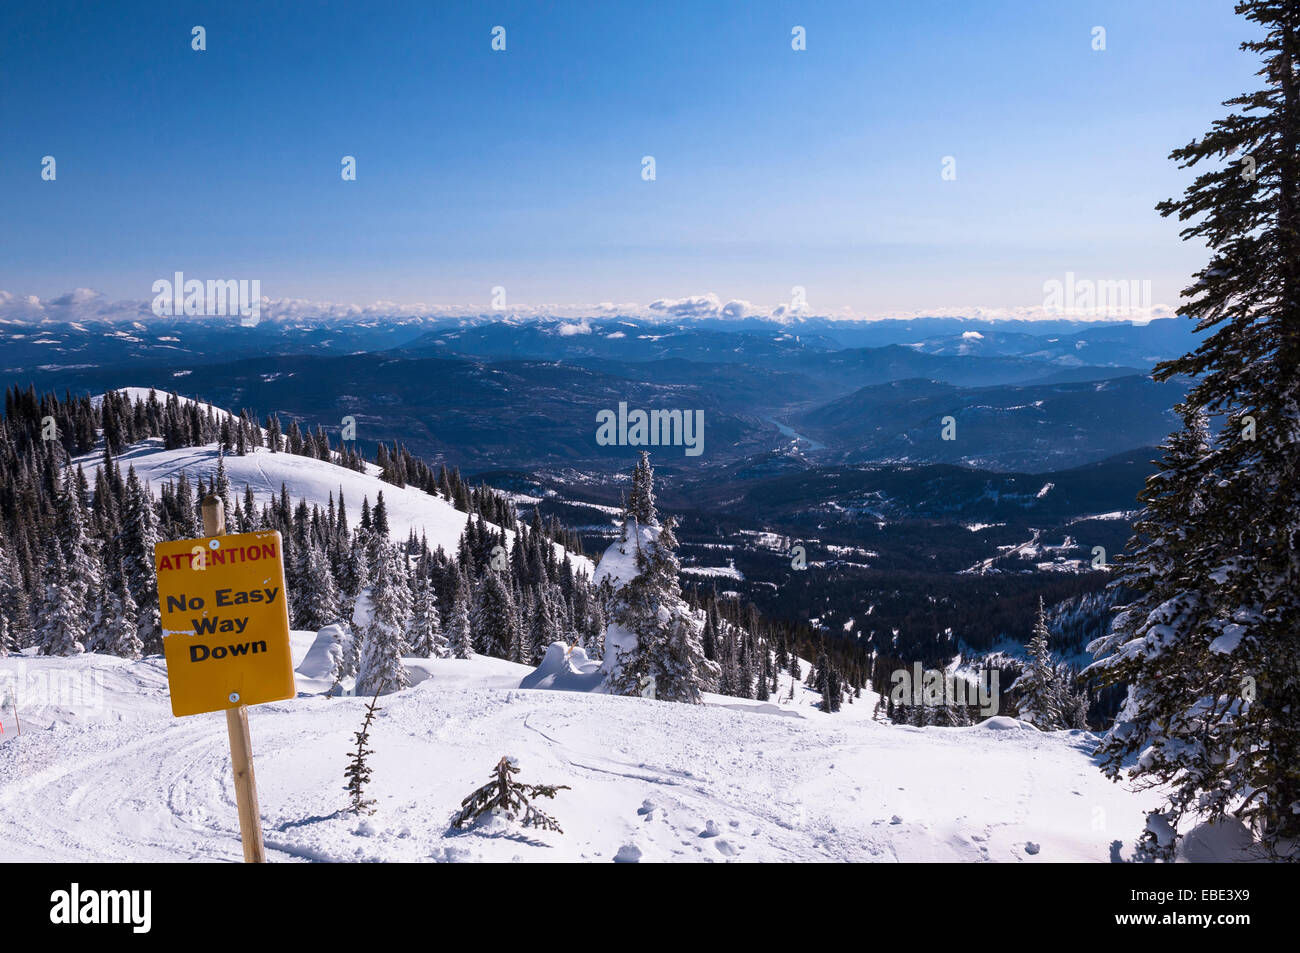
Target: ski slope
264 472
118 778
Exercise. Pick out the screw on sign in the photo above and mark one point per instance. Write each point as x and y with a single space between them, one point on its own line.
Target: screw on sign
226 639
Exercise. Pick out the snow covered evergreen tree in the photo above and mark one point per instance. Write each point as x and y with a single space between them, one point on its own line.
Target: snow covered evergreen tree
653 633
316 604
542 629
683 672
1209 646
503 793
1074 701
728 668
61 616
354 576
80 551
460 635
827 682
641 498
496 631
709 638
764 678
745 684
15 607
425 634
117 633
384 635
1153 644
1036 690
593 633
139 534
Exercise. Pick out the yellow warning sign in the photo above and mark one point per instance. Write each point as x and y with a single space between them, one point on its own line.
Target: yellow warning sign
225 621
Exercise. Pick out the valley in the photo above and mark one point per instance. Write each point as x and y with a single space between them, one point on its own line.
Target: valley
812 433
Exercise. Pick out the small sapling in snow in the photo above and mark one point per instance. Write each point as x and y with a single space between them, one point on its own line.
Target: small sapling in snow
510 796
358 769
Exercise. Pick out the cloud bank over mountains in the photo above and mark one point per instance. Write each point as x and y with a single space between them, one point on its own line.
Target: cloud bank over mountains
88 305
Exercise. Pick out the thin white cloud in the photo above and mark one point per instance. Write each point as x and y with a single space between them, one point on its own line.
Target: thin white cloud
85 304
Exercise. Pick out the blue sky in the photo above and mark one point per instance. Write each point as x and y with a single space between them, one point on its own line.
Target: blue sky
522 168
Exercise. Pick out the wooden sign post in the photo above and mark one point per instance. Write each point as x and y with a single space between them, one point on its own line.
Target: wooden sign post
241 742
226 639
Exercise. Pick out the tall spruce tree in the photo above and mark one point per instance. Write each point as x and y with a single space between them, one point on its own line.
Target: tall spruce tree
425 633
62 614
316 604
139 534
460 636
827 682
15 607
116 632
542 629
728 669
1036 690
748 671
496 630
354 572
650 606
384 635
80 552
641 498
1209 645
765 677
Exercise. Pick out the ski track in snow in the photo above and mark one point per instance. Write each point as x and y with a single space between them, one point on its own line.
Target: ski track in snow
650 780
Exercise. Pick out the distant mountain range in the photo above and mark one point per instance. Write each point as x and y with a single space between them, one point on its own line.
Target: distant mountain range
826 432
1031 427
524 394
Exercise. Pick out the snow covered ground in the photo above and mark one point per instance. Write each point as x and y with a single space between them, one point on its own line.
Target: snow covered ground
102 771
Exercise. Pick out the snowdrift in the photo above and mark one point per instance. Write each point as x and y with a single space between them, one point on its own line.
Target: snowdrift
567 670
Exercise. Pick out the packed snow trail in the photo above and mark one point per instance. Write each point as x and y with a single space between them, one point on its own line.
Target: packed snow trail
650 780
